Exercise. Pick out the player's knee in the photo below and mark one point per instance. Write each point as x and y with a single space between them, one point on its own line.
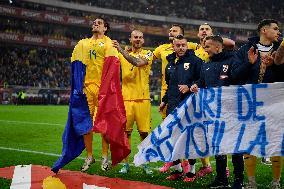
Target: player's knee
276 159
143 134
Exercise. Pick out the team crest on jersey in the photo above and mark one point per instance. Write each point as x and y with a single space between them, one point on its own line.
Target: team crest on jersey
101 44
186 66
148 55
225 68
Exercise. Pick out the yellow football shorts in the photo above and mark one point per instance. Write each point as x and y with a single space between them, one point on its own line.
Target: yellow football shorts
140 112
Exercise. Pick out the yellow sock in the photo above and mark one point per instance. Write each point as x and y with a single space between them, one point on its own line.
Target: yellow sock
105 147
276 166
250 164
205 161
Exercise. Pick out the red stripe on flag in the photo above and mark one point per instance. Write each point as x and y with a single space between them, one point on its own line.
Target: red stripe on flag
111 115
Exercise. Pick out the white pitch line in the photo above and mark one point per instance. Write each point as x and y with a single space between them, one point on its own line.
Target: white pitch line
50 154
22 177
33 152
32 123
58 155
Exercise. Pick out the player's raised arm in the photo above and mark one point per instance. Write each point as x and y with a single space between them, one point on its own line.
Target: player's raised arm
228 43
137 40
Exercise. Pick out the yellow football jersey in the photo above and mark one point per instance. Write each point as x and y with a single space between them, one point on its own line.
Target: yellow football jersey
92 53
135 80
163 51
200 52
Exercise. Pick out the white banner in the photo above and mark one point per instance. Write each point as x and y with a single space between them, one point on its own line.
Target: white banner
236 119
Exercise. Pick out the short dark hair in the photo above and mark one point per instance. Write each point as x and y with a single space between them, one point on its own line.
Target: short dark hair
216 38
265 22
180 26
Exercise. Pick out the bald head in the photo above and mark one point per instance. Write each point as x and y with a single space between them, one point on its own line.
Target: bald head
136 39
136 32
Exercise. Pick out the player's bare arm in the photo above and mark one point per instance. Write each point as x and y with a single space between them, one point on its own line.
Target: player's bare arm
162 106
131 59
228 43
268 59
279 55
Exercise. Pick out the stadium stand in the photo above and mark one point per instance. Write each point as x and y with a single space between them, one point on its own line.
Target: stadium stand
231 12
150 27
37 40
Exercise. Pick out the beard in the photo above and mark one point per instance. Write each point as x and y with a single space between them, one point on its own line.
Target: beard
181 53
137 45
203 37
95 31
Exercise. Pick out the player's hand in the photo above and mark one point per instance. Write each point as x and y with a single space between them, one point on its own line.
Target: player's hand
268 60
127 48
194 88
183 88
252 56
116 45
162 106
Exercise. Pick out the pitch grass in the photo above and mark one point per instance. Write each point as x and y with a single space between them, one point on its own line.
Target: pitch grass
39 128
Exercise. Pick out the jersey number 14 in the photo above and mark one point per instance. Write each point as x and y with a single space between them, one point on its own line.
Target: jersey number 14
93 54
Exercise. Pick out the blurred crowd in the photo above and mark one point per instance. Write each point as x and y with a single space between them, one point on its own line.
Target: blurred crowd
30 27
79 32
45 67
212 10
34 66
